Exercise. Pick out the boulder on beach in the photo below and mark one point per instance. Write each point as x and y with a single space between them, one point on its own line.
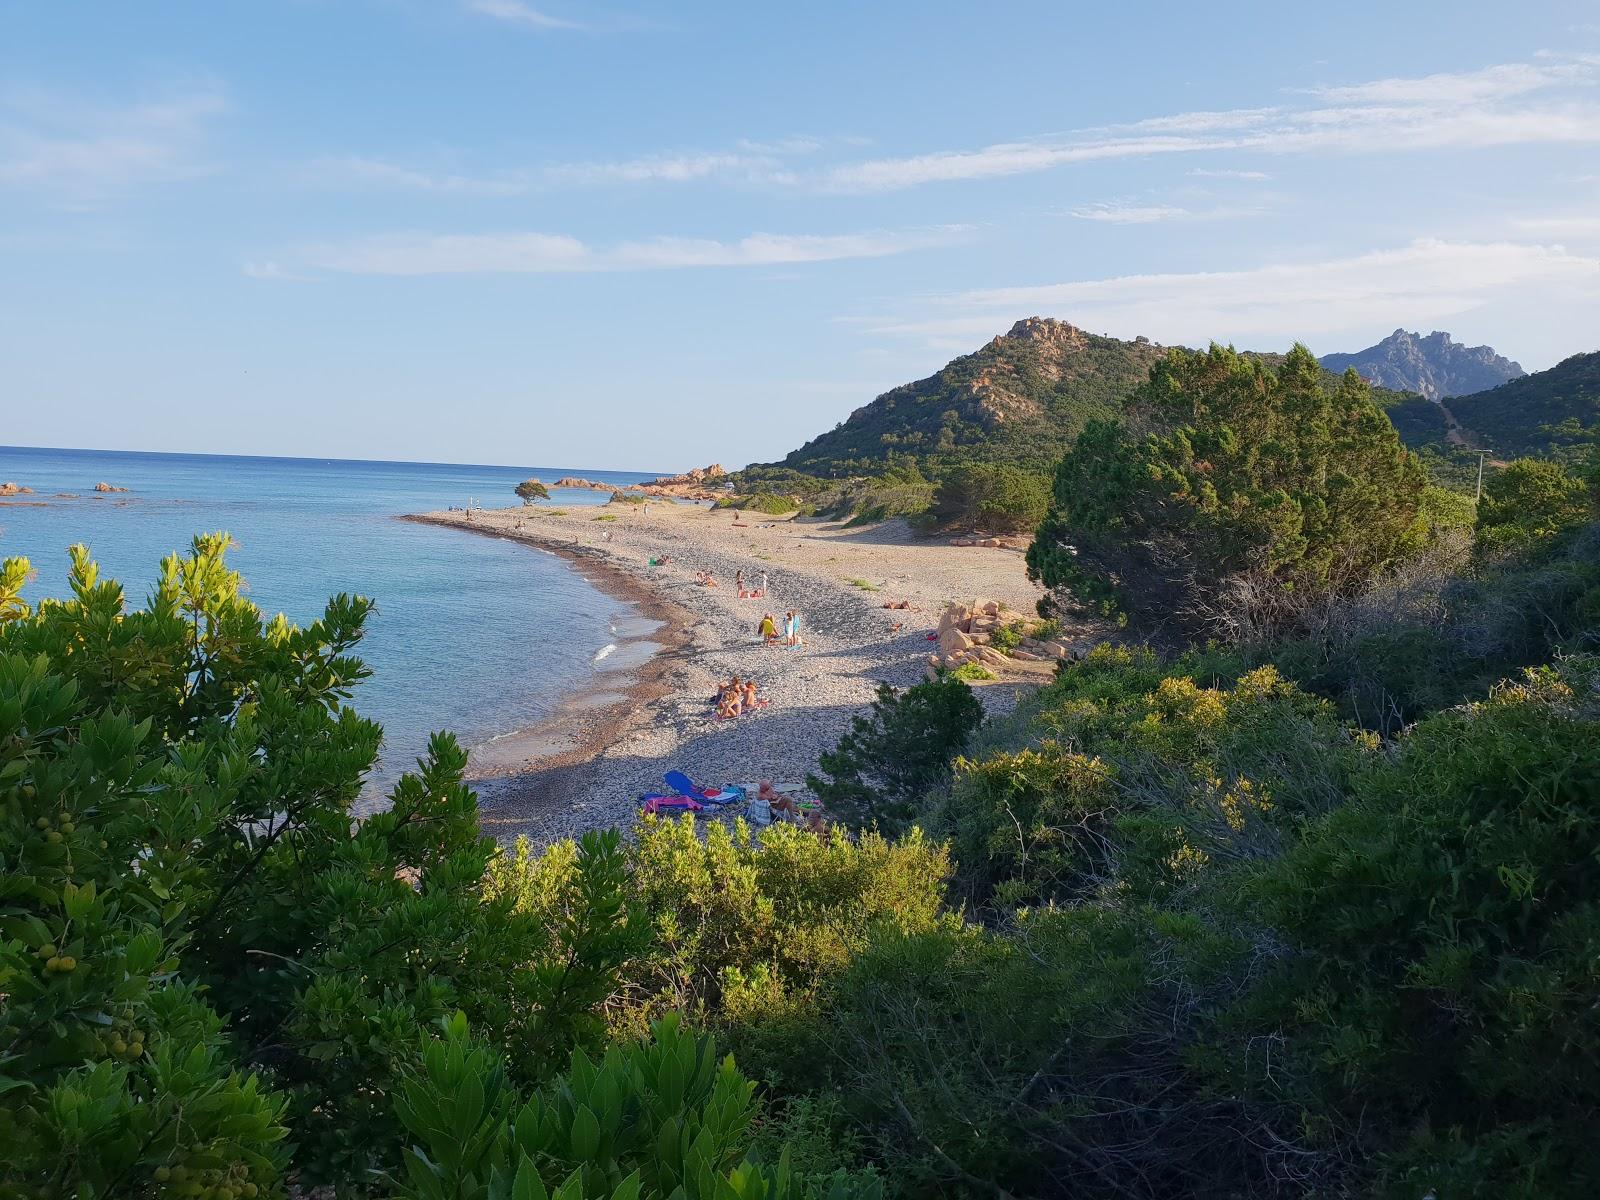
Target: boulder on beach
14 489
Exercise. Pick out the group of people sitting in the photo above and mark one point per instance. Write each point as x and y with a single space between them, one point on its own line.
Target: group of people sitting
736 696
768 629
786 808
752 592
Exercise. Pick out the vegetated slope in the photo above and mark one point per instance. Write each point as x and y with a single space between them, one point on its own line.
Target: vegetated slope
1435 367
1538 414
1020 399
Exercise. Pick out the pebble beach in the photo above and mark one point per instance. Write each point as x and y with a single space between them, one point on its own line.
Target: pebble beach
586 767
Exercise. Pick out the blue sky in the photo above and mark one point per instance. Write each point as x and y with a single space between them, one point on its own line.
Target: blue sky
647 236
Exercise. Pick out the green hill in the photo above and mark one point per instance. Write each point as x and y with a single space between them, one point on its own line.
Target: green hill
1544 414
1020 399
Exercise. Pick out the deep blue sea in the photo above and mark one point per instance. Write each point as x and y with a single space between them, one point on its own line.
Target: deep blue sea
473 634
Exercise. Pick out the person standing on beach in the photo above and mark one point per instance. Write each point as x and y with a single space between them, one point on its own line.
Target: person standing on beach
763 583
738 582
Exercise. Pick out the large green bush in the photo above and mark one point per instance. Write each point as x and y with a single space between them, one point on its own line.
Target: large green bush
176 833
1437 1012
662 1120
1530 501
1233 500
886 763
995 497
739 921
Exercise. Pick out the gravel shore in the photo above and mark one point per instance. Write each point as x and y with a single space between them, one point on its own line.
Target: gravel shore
585 768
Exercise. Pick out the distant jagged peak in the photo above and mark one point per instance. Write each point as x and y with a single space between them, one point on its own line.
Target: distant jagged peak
1436 366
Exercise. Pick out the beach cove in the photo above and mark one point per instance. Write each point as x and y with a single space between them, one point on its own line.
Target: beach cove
585 768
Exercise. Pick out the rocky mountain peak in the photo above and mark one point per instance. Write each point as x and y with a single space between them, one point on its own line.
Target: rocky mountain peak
1436 366
1047 330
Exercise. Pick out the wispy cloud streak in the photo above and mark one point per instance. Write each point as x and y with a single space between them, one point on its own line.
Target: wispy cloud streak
546 253
1507 104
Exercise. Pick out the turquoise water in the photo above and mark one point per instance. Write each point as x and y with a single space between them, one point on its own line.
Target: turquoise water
473 634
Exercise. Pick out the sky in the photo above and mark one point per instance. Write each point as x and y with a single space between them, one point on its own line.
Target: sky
650 236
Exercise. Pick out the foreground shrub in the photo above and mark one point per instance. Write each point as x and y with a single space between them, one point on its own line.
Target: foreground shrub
738 922
1139 764
1029 825
115 1076
891 758
177 783
1046 1059
1438 1016
646 1122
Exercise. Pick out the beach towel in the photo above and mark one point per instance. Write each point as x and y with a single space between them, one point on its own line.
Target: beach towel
731 794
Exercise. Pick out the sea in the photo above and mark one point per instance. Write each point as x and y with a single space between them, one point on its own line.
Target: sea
474 634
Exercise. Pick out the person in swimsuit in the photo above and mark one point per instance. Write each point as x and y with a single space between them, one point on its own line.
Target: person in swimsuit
768 629
749 698
738 582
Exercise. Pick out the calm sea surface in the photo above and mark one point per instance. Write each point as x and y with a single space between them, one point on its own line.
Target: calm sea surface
471 634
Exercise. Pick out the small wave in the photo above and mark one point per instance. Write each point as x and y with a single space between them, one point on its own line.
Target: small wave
606 651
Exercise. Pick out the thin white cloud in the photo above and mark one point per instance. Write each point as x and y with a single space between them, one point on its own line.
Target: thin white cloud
1508 104
268 270
377 173
748 161
665 168
1498 82
1414 285
1251 176
544 253
539 19
67 145
1114 212
515 12
1572 225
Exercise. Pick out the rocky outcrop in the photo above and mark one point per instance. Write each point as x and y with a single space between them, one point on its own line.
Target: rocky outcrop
1435 366
695 484
103 487
14 489
573 481
966 633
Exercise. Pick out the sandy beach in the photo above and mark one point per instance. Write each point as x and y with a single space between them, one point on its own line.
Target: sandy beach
585 768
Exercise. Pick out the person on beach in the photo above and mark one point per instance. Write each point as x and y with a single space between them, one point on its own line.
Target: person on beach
749 699
768 629
763 583
738 582
791 628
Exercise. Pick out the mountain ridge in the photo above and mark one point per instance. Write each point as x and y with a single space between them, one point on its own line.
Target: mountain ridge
1021 397
1436 367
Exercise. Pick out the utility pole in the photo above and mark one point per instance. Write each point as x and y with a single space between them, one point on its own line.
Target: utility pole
1482 454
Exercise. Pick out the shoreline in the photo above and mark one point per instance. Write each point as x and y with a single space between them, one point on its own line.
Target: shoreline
584 767
577 734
